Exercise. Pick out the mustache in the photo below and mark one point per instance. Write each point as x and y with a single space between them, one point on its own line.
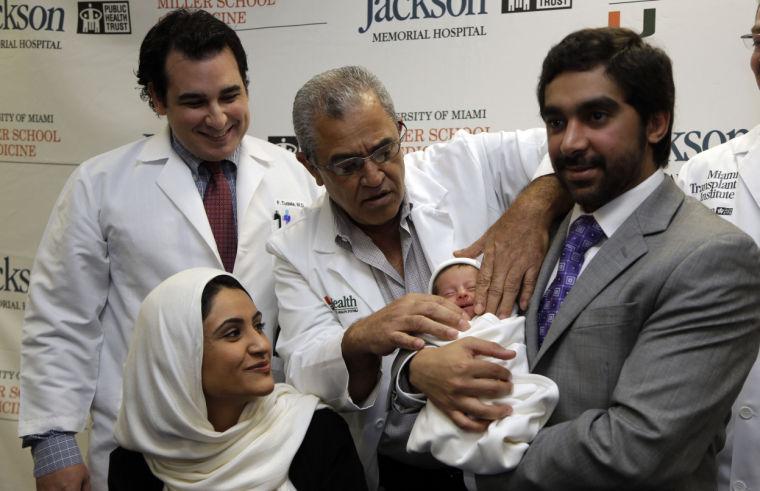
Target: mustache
564 161
375 194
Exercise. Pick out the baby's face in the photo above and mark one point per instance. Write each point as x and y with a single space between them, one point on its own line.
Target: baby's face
457 283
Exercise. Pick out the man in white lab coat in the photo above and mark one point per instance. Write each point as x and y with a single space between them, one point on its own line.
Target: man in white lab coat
200 193
351 275
726 179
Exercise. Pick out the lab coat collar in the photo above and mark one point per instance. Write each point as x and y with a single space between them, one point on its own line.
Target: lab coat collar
324 241
747 142
431 219
255 161
175 180
615 256
747 154
433 224
159 147
340 262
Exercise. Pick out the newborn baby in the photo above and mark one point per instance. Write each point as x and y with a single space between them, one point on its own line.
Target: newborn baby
533 397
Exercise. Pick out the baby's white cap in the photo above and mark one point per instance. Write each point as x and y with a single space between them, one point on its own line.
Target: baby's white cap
450 262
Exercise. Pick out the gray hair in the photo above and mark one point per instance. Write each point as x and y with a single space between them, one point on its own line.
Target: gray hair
332 94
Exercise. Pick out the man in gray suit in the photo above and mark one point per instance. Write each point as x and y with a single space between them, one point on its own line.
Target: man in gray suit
646 311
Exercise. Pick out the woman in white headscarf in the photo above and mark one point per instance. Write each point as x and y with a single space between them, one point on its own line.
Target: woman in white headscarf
201 409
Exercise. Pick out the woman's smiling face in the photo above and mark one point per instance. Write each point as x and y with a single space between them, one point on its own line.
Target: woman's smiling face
236 354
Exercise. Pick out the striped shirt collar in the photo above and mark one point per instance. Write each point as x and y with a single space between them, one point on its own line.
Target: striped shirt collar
346 229
192 161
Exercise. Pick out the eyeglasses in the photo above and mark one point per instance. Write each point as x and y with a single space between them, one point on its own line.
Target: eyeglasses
380 156
751 41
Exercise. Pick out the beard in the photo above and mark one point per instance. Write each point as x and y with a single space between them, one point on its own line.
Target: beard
614 176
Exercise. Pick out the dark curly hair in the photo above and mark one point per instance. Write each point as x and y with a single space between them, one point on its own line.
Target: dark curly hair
644 73
197 35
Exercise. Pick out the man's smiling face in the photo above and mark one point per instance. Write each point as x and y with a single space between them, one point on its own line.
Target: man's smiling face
206 103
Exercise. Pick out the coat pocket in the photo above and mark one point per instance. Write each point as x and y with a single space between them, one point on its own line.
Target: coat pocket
599 342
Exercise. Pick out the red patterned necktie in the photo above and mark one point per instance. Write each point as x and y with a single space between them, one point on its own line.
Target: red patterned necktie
218 204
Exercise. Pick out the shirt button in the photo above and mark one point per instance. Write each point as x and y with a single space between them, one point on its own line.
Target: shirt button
739 486
746 412
379 423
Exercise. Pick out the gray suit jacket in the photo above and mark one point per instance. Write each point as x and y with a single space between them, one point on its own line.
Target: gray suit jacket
649 351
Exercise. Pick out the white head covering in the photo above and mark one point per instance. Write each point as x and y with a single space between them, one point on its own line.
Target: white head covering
163 413
450 262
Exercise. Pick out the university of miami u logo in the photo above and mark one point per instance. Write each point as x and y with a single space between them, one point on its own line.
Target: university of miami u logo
649 21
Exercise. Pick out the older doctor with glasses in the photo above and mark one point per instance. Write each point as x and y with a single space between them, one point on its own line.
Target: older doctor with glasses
351 276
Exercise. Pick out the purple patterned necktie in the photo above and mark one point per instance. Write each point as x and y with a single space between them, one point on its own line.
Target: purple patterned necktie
584 233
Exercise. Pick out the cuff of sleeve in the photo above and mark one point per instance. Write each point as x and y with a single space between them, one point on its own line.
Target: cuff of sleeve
54 453
371 398
404 400
544 168
325 376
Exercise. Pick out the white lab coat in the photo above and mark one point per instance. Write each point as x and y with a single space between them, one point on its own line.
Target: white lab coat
125 221
733 170
457 189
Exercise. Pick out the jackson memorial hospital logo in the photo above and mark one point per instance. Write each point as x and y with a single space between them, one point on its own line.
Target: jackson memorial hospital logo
400 10
22 16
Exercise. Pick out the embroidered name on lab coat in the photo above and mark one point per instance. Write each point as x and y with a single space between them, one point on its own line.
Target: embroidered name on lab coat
345 305
718 185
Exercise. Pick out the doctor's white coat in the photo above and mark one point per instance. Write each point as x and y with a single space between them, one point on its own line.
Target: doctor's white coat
125 221
726 179
457 190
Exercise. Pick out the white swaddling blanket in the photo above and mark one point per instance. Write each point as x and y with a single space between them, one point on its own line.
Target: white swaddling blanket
503 444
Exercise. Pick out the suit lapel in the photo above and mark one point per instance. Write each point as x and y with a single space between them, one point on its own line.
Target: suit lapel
621 250
434 228
357 277
433 225
552 258
176 182
341 264
616 254
254 164
435 232
750 171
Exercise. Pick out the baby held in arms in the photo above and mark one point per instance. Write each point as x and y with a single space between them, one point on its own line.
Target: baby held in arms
533 397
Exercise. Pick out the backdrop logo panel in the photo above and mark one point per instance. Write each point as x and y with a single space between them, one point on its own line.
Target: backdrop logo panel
103 18
14 285
515 6
234 13
687 143
13 279
9 385
650 17
385 11
25 142
23 16
289 143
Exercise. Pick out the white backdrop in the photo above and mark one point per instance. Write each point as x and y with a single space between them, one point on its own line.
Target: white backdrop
68 92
